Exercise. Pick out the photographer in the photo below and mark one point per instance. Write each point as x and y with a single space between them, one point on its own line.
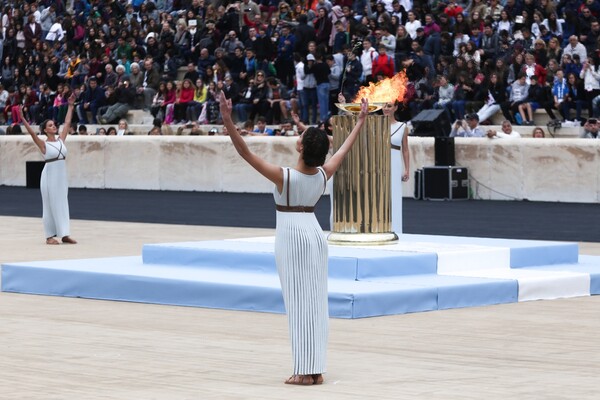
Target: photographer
590 129
125 96
469 127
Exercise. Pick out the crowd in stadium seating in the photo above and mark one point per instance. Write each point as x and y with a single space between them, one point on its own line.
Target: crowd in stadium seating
276 59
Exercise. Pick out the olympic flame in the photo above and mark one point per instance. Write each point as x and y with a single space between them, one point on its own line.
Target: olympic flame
385 91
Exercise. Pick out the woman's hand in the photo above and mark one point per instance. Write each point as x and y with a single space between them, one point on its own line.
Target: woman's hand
225 106
71 100
295 117
364 108
405 177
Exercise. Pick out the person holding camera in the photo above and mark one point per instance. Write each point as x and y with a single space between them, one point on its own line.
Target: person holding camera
469 127
590 129
124 95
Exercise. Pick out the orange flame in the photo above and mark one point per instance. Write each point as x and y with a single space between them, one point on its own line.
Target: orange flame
385 91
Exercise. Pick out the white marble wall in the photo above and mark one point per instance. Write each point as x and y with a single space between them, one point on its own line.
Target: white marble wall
535 169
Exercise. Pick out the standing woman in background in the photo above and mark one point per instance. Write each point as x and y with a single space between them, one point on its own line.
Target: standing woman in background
54 184
301 252
399 164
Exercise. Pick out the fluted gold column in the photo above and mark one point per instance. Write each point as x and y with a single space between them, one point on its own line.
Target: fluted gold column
361 186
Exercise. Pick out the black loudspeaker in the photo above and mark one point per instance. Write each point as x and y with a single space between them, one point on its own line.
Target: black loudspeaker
445 183
431 123
444 151
33 173
418 194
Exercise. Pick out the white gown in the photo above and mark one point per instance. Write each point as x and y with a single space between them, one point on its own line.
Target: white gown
55 188
397 169
301 255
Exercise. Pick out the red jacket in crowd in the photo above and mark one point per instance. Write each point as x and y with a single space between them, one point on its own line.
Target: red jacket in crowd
383 64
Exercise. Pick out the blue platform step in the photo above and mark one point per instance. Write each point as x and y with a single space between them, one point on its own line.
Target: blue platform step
419 273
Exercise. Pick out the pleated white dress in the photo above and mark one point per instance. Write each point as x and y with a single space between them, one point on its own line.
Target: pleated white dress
54 186
397 169
301 255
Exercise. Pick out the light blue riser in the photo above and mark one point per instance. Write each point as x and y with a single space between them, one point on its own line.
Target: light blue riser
523 253
363 282
344 263
128 279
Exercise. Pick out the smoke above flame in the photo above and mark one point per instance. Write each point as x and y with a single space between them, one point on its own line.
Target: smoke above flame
385 91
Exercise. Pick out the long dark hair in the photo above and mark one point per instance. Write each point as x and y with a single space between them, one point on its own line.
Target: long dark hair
316 146
43 126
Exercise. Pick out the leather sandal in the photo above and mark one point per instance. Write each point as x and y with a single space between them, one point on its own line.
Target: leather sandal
52 241
68 240
317 379
304 380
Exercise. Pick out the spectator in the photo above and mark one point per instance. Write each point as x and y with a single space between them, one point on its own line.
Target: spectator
518 95
574 47
351 76
3 98
366 60
413 24
111 78
383 63
591 84
32 32
469 127
285 62
261 127
123 128
554 51
574 97
150 83
559 91
200 96
230 43
453 9
93 98
538 133
531 68
323 28
236 64
169 67
47 18
39 112
590 129
554 26
539 96
443 95
309 98
388 40
489 43
185 99
124 96
507 132
304 34
335 73
158 102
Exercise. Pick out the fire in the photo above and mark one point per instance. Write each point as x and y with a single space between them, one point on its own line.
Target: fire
385 91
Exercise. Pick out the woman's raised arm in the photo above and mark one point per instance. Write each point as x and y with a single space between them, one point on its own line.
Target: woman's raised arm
38 142
68 117
270 171
336 160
